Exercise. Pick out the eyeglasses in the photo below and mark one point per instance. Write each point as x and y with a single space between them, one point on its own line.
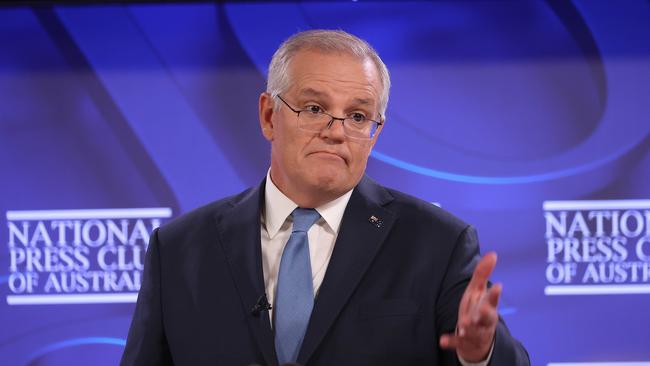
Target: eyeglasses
315 119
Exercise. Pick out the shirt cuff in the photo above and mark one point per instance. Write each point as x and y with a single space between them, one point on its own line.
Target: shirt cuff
481 363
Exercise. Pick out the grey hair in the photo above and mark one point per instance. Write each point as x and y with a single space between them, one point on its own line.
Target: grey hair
326 41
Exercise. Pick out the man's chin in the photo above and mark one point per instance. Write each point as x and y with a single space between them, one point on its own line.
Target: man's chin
329 182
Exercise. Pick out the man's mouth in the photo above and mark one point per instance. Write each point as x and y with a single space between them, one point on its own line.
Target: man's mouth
329 154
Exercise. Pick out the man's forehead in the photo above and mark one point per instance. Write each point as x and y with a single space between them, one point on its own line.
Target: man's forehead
314 64
328 76
310 92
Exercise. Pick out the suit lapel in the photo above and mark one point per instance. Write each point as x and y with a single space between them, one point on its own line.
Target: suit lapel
364 228
239 234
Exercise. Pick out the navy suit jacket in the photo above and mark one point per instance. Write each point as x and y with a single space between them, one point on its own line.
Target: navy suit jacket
392 287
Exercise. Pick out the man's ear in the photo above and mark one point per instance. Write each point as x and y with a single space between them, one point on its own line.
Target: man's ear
266 110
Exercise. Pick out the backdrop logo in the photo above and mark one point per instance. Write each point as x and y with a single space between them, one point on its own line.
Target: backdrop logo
597 247
78 256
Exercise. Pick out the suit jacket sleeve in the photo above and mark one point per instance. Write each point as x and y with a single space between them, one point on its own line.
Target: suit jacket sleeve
465 256
146 343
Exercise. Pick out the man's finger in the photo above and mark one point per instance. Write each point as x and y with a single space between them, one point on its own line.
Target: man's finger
476 289
448 341
486 315
488 320
494 293
469 301
487 305
482 271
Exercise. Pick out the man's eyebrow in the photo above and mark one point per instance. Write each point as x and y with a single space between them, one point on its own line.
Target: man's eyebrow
362 101
311 92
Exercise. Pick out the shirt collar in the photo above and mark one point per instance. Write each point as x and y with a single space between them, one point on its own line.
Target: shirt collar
277 207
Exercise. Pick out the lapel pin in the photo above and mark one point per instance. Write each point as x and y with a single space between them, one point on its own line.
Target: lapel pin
375 221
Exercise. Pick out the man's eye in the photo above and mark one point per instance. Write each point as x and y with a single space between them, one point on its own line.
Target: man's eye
358 117
314 109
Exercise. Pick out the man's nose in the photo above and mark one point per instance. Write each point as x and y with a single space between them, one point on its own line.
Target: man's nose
335 129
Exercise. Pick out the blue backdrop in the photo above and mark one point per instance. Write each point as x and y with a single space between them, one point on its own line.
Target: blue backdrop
528 119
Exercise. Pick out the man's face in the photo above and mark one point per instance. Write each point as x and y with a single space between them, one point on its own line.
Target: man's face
312 168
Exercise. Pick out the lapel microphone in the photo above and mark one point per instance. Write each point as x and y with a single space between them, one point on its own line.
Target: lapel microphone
262 304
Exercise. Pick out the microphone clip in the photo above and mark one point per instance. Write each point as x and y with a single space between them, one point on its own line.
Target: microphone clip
262 304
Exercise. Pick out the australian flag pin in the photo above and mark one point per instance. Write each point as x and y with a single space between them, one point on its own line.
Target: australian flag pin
375 221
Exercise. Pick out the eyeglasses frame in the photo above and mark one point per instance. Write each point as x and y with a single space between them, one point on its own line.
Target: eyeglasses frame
331 122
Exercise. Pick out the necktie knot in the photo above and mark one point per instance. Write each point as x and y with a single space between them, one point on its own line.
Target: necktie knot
304 218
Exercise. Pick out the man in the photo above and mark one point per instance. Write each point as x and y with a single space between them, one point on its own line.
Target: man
319 265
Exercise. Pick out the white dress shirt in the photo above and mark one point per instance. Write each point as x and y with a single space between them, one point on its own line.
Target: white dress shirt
276 229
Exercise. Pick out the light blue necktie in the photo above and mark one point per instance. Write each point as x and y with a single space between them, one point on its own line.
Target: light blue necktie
295 293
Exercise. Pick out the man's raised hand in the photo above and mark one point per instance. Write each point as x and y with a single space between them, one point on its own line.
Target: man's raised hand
477 315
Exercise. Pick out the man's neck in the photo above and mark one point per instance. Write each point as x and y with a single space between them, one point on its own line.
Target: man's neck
305 198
